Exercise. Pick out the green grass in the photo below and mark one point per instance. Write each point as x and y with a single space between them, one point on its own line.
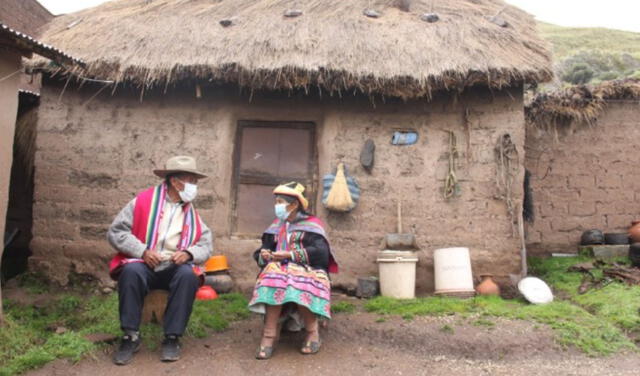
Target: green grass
29 339
567 41
615 302
343 307
572 325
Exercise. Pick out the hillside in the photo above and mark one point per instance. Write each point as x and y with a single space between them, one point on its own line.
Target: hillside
569 40
585 55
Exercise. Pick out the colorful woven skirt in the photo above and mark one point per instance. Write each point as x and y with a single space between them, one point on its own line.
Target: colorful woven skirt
292 283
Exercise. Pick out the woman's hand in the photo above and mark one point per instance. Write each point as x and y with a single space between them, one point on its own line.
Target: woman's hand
281 255
265 254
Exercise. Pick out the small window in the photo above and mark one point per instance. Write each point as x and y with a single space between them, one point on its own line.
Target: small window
404 138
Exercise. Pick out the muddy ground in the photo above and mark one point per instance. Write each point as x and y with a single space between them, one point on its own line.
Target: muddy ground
357 344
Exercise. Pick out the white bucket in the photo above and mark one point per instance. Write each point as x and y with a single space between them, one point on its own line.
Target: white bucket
397 274
452 268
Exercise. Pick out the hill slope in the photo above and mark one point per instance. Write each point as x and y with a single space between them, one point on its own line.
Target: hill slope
585 55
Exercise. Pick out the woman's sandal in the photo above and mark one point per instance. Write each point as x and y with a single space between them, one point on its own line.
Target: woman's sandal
310 347
266 350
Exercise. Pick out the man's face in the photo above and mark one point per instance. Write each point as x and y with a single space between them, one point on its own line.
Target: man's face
179 181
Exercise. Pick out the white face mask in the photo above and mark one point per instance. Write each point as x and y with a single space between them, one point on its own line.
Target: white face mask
189 192
281 211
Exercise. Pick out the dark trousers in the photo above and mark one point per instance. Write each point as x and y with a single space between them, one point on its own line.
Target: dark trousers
137 279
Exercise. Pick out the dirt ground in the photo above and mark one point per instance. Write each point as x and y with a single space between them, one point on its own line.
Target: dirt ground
356 344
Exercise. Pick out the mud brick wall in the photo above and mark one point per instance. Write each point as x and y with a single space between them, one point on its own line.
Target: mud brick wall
92 159
587 178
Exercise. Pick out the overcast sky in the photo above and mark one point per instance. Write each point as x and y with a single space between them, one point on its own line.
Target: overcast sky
614 14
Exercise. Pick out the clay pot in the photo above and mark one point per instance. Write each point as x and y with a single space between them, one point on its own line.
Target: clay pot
487 286
634 232
591 237
634 254
616 238
221 282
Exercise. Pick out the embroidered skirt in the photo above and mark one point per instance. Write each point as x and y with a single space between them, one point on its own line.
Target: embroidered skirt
278 284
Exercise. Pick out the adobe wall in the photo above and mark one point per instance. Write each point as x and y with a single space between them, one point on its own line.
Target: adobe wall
587 178
9 63
91 160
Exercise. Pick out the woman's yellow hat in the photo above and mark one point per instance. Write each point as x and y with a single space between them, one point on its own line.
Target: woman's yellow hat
293 189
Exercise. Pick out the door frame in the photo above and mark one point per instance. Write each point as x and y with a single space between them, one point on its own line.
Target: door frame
237 178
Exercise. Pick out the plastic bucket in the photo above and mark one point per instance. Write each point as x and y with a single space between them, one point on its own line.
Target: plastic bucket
397 271
452 267
216 264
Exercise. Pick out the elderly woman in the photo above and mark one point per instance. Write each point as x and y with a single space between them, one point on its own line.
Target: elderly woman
295 258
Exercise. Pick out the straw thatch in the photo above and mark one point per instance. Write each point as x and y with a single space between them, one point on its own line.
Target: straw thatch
329 45
578 105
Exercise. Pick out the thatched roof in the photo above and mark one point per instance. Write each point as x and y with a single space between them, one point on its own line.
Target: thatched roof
579 104
331 45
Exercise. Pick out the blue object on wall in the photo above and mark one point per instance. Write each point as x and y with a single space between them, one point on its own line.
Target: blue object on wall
404 138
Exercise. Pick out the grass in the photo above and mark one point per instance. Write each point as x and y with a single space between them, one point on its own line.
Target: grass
567 41
597 322
29 339
343 307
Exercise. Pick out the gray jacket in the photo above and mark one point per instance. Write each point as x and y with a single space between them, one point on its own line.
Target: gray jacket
122 239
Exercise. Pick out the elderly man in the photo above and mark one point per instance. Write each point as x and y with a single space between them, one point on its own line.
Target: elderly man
159 237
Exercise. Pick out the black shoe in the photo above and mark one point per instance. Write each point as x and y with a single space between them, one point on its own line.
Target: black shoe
170 348
128 346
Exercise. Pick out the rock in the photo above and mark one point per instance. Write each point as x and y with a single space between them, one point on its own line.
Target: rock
107 290
154 305
100 338
498 21
293 13
61 330
368 287
226 23
604 251
430 17
371 13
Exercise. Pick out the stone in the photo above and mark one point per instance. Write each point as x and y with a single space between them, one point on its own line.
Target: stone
101 338
368 287
430 17
604 251
107 290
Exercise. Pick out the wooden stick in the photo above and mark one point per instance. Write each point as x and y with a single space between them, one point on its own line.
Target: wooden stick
399 216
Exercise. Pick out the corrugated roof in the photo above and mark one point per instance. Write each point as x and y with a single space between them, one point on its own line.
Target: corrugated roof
28 43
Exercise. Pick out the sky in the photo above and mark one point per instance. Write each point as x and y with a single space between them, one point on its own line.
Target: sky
613 14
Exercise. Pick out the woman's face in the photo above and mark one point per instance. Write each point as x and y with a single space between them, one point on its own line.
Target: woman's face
290 206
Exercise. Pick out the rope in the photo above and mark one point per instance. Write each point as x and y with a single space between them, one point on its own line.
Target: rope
507 160
451 181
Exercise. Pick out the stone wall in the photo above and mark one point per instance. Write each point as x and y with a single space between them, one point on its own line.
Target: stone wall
93 158
586 178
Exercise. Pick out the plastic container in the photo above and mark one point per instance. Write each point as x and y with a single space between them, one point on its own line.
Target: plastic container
453 276
216 264
206 293
397 271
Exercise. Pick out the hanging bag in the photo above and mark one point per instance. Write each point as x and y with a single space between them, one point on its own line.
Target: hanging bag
341 192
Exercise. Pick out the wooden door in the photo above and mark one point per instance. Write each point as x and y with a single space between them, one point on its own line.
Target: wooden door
268 154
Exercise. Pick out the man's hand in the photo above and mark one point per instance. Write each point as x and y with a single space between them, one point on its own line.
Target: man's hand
281 256
181 257
265 254
151 258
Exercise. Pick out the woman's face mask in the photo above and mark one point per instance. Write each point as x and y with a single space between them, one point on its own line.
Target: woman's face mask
189 192
281 211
